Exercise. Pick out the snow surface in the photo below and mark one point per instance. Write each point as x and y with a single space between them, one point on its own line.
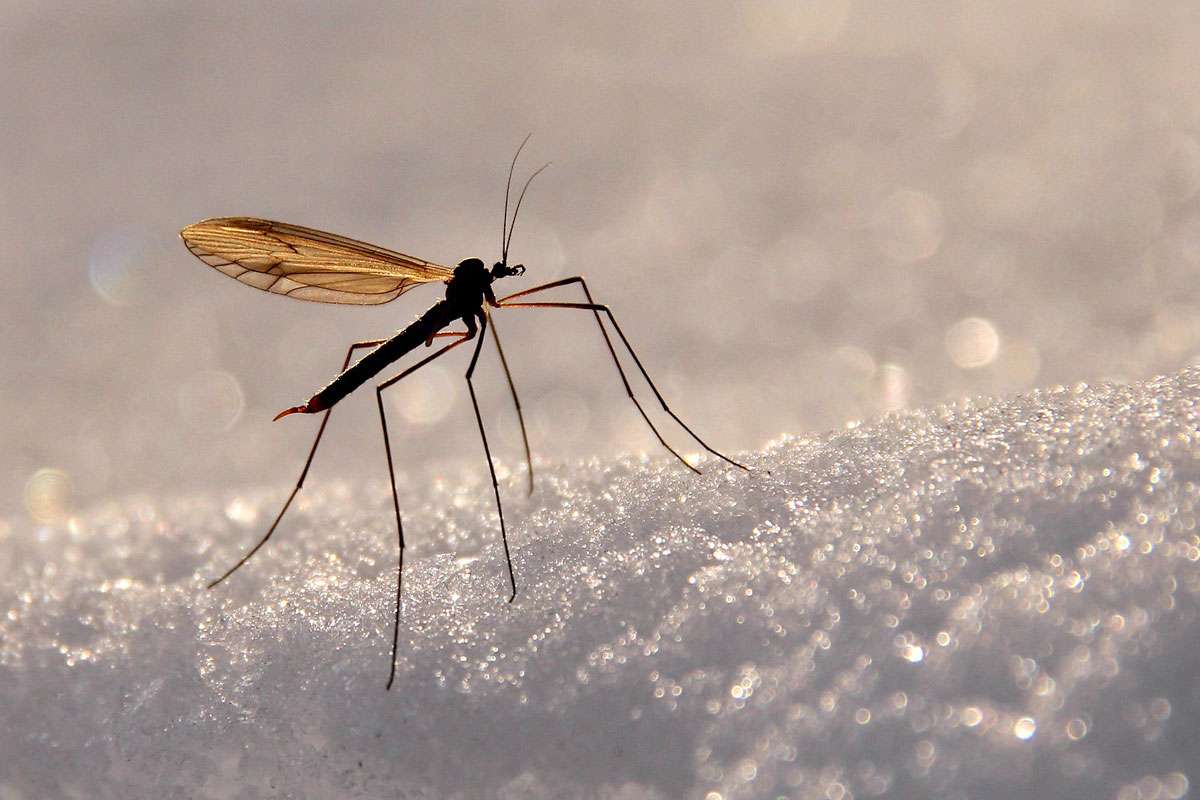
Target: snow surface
989 599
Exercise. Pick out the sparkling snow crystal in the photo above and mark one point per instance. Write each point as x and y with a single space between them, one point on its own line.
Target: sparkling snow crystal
989 599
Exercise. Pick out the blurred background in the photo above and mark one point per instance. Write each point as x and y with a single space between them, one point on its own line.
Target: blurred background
803 213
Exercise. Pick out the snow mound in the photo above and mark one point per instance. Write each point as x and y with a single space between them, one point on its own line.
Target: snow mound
990 599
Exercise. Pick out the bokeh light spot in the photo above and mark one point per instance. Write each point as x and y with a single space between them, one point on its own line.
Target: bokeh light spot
895 386
1076 729
972 342
48 494
114 266
1024 728
210 400
428 399
562 416
908 226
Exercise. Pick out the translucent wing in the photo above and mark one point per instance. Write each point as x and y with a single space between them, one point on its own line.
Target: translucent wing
306 263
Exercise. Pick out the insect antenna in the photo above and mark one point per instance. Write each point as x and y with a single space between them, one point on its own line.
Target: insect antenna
516 210
507 189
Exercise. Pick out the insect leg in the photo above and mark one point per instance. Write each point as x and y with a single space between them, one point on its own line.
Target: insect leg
624 380
387 446
596 309
612 352
303 474
491 468
516 401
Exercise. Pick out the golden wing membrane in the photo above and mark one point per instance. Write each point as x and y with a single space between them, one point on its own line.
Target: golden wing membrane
305 263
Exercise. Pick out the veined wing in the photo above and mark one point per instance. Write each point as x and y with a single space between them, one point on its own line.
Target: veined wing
305 263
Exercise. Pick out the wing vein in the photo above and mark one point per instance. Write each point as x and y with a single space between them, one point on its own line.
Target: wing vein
328 268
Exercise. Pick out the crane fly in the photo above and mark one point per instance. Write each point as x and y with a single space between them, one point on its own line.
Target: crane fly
326 268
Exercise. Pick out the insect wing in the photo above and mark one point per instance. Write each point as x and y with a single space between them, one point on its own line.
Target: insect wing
305 263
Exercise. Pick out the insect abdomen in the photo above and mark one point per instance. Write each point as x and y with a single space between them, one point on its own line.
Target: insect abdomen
373 362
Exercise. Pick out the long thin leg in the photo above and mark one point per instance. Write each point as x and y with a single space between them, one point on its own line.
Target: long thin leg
491 468
612 352
624 380
303 474
516 401
387 446
596 308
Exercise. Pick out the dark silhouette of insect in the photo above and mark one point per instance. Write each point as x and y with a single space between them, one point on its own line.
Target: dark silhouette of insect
326 268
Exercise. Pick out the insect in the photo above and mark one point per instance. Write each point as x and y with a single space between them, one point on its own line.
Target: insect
324 267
